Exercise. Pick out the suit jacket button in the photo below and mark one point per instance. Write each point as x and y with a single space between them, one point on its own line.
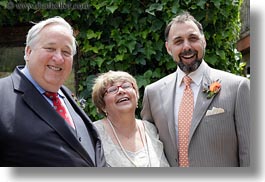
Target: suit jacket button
79 139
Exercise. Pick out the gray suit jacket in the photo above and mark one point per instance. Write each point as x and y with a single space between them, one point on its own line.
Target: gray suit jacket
215 140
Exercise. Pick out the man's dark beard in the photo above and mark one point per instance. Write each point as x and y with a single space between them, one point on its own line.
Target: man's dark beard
190 67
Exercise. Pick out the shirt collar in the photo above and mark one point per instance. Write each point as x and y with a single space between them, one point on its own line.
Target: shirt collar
26 72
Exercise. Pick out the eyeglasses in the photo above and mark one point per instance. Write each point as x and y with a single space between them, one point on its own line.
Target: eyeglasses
115 89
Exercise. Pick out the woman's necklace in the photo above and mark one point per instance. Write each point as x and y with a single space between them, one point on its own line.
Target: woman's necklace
122 148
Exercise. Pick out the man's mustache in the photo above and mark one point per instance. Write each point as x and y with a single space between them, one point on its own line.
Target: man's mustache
188 52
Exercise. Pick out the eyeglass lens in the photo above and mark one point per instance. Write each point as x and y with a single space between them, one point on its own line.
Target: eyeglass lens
115 89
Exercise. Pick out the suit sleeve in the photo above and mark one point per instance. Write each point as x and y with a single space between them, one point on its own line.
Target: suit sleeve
242 121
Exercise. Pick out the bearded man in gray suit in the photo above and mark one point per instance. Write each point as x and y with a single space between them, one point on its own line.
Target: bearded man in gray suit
219 130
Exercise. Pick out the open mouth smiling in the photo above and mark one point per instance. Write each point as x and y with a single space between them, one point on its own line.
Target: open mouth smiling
123 99
54 68
188 54
188 57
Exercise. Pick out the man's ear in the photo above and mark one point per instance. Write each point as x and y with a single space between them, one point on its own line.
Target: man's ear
204 42
168 48
27 52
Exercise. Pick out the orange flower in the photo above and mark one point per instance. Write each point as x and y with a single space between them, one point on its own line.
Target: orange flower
212 89
215 87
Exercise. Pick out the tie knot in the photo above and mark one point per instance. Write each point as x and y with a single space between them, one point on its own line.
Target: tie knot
187 80
51 95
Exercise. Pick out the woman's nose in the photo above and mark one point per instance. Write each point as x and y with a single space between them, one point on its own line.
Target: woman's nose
121 90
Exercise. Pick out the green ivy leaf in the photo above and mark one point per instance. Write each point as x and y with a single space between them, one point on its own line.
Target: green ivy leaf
112 9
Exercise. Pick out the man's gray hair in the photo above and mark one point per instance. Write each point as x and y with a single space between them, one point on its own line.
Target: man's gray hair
34 31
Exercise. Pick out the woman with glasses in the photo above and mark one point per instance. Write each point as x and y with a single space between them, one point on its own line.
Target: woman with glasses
127 141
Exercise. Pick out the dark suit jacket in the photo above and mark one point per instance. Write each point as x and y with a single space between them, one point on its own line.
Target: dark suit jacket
32 134
217 139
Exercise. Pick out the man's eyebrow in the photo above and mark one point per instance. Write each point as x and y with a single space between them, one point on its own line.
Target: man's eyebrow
176 37
53 43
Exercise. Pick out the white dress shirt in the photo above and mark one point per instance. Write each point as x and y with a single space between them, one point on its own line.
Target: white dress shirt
196 77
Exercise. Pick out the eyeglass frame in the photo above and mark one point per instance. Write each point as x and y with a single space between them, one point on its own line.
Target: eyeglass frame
118 87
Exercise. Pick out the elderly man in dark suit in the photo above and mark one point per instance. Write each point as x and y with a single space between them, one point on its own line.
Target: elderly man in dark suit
212 131
35 129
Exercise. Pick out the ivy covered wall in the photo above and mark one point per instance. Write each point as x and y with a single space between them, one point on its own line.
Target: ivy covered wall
129 35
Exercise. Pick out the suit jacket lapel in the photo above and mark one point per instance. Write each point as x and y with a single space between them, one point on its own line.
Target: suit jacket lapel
90 127
42 108
202 103
167 91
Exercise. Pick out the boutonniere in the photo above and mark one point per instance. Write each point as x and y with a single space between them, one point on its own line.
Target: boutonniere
80 102
212 89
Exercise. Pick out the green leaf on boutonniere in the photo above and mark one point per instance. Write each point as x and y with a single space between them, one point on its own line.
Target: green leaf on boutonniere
80 102
212 89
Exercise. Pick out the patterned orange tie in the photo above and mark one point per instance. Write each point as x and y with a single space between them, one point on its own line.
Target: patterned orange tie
184 122
59 107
